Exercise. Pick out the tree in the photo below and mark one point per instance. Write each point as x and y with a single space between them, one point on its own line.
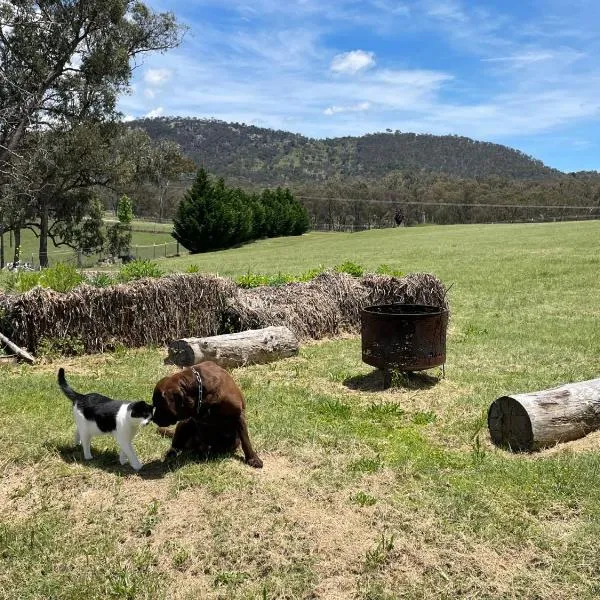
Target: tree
67 61
119 234
212 216
63 64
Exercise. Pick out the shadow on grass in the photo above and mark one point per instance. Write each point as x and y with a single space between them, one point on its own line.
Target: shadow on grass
379 380
108 460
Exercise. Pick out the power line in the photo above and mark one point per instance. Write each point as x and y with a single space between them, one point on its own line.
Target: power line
470 204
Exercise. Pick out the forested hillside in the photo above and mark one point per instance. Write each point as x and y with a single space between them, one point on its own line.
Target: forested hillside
253 155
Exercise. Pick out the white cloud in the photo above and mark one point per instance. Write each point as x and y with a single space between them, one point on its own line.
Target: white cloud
526 57
156 112
149 93
127 118
157 76
360 107
352 62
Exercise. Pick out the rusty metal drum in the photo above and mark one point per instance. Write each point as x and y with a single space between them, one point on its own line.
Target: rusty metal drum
404 337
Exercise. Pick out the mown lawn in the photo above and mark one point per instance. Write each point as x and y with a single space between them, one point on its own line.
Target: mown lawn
144 234
365 493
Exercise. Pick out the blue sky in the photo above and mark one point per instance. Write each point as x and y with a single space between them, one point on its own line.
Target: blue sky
525 74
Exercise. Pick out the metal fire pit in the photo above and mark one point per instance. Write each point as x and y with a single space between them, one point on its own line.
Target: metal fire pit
404 337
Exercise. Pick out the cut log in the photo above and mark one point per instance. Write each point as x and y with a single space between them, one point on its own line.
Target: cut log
18 351
254 346
525 422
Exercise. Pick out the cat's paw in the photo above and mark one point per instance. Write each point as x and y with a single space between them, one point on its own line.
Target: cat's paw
123 459
136 467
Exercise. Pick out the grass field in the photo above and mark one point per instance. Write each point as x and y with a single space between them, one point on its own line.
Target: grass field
144 234
365 493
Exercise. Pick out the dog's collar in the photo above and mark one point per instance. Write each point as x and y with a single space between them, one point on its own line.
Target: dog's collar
199 380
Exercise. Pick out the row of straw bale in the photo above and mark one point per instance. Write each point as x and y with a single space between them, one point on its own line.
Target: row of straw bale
157 311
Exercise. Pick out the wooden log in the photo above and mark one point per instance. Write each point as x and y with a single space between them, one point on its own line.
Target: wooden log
254 346
525 422
18 351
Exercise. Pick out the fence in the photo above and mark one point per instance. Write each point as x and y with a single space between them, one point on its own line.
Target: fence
150 252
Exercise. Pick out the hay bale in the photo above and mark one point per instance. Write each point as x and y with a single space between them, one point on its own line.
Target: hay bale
157 311
141 313
331 303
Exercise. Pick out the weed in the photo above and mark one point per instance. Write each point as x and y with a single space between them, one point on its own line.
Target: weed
424 418
137 269
366 465
52 348
101 280
379 555
192 268
387 270
61 277
150 519
351 268
363 499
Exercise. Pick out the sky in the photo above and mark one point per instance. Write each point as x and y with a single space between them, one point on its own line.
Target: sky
521 73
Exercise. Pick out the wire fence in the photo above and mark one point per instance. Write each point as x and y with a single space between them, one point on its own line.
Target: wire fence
80 260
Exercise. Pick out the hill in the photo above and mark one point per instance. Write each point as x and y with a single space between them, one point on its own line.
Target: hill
253 155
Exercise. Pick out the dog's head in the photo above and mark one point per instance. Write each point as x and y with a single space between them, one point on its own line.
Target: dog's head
172 401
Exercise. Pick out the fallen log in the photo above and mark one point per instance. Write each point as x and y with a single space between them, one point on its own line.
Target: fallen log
18 351
254 346
531 421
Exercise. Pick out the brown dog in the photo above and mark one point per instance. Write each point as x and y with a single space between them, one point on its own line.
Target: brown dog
209 409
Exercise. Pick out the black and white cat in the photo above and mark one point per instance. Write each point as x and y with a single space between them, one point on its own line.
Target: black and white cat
96 414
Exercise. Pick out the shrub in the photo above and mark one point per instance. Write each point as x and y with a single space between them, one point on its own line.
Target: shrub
387 270
137 269
351 268
52 348
61 277
101 280
22 281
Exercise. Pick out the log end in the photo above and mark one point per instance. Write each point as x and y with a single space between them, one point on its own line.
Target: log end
510 425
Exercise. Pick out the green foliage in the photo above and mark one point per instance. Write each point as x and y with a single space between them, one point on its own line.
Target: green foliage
213 216
101 280
137 269
125 210
53 348
351 268
90 237
22 281
192 269
61 277
119 239
387 270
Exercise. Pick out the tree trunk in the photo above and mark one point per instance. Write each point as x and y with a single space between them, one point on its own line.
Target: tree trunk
17 253
43 254
1 247
540 419
255 346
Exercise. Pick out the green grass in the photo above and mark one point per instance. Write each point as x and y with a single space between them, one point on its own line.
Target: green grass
365 493
144 234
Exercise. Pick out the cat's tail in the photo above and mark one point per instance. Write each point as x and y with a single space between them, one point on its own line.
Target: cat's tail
66 388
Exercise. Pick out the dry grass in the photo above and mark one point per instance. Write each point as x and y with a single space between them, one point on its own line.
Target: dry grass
157 311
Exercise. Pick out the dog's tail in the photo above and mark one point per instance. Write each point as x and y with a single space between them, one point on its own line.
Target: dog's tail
71 394
165 432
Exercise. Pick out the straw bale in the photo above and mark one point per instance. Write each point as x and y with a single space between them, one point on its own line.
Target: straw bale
331 303
141 313
157 311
